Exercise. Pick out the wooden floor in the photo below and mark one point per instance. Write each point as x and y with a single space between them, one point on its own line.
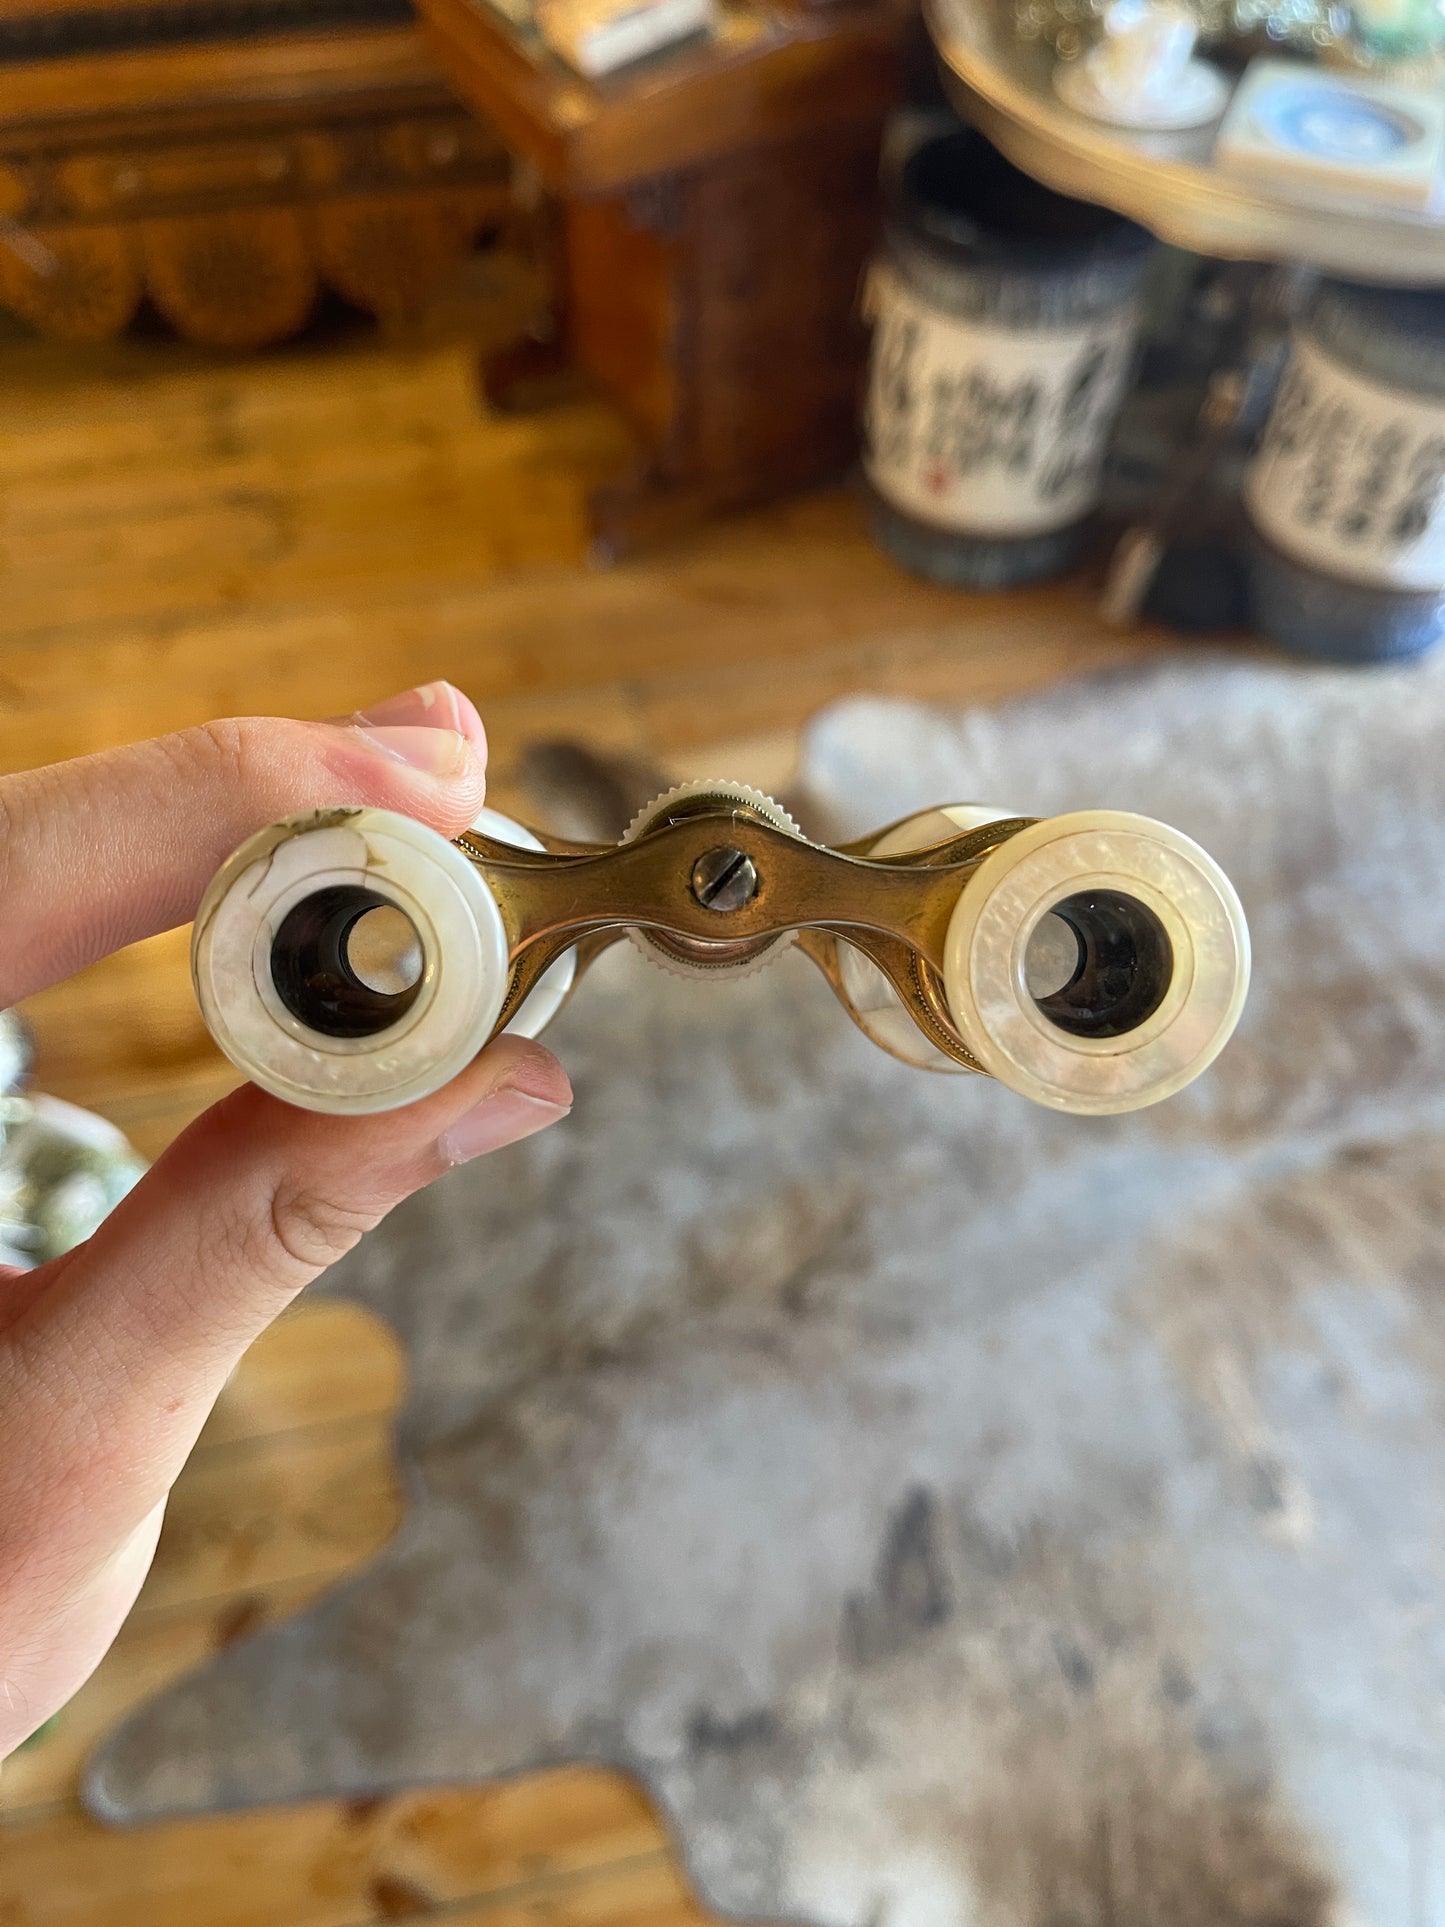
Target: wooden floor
183 537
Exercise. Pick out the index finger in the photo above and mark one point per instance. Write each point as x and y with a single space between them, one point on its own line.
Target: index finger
102 851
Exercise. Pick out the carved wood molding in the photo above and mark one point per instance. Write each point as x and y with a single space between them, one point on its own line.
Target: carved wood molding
50 32
232 236
246 277
91 292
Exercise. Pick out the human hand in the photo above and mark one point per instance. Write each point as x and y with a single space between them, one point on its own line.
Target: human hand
112 1356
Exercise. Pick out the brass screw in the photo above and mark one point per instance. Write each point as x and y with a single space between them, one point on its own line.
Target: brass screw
724 880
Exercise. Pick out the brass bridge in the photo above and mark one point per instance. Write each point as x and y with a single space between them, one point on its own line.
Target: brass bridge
895 910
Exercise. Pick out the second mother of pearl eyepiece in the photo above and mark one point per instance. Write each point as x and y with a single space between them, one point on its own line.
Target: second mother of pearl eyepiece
1097 962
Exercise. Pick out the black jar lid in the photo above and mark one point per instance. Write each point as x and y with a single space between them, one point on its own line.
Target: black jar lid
1395 336
958 196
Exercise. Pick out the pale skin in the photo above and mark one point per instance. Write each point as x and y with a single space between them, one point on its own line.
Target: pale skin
112 1357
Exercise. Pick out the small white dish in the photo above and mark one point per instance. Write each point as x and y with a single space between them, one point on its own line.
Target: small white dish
1197 93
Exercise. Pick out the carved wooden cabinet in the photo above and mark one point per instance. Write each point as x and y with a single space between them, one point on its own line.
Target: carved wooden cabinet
715 211
228 179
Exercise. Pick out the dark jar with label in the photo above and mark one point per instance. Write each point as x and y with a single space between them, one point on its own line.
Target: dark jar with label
1004 321
1346 494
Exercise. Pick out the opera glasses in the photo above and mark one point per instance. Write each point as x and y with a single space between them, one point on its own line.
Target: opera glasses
351 960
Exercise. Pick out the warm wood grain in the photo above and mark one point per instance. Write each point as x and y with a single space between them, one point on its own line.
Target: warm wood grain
337 1863
622 313
719 207
325 1363
644 1894
318 1500
182 537
358 489
188 83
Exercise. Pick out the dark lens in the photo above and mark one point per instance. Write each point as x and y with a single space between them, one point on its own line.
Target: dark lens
313 974
1122 970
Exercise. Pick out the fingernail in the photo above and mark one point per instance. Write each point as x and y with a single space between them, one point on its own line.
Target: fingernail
505 1117
436 752
427 698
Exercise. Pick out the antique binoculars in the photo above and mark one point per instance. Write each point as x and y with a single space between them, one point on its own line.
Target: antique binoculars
351 960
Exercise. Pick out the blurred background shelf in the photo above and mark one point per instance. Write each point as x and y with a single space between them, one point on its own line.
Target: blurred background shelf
1166 181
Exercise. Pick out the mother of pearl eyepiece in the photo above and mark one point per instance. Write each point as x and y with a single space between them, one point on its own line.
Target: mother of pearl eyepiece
1097 962
350 960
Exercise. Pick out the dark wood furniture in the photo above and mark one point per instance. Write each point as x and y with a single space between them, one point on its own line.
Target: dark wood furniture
715 212
228 178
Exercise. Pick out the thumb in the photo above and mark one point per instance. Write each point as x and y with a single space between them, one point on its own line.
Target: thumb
119 1357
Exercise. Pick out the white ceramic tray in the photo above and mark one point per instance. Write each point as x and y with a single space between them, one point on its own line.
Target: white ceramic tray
1167 182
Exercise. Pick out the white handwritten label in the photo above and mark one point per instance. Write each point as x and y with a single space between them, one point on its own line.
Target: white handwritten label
986 429
1350 476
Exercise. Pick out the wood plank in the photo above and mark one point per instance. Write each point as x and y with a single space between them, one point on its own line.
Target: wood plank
277 1511
351 522
326 1362
692 710
739 603
125 1038
180 82
374 440
337 1863
649 1893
